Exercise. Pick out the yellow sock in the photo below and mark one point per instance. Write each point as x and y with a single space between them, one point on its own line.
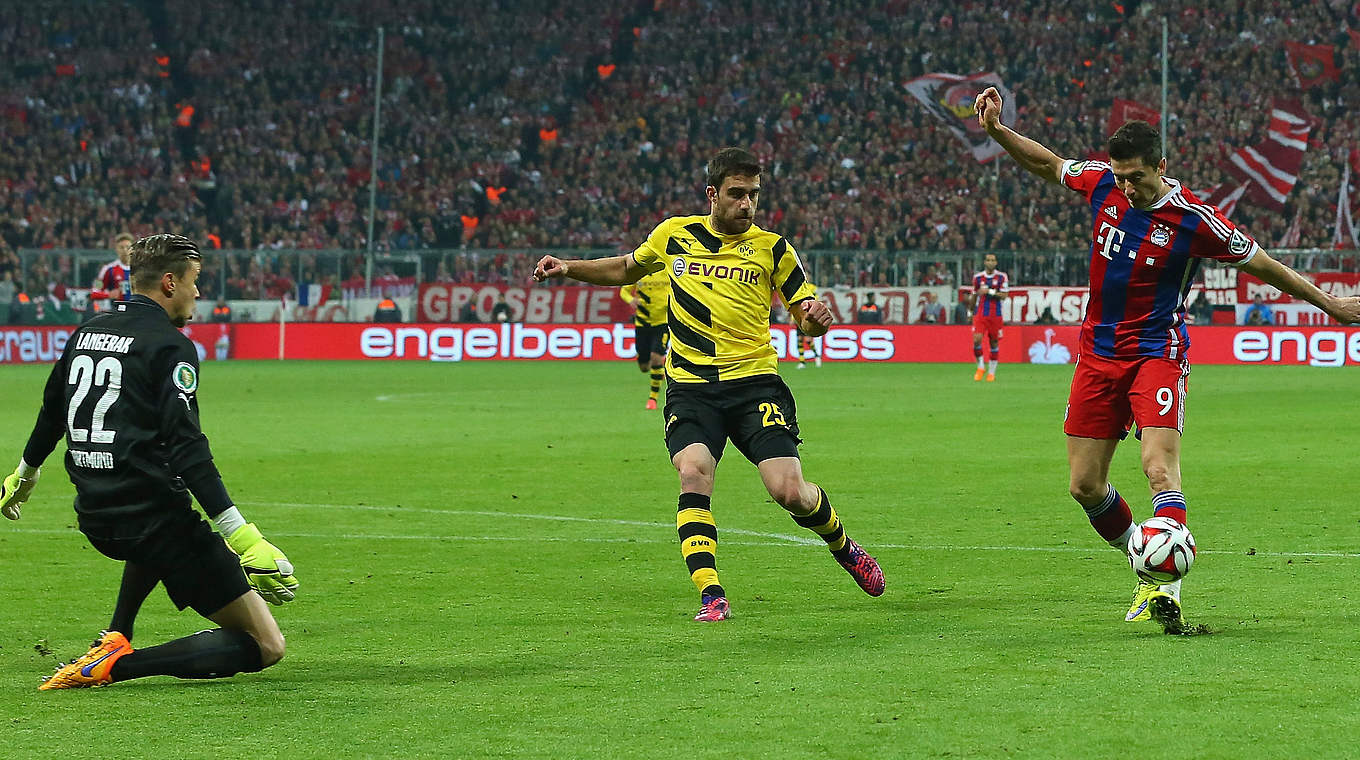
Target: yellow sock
699 542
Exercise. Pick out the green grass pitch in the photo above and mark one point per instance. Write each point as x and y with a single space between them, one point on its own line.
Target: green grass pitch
489 568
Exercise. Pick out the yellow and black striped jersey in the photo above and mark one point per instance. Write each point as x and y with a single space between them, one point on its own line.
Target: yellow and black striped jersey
651 295
719 315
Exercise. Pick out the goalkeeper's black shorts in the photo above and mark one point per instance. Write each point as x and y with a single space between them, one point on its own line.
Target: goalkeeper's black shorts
756 413
189 557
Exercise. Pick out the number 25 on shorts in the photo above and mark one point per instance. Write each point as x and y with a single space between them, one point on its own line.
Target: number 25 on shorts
771 415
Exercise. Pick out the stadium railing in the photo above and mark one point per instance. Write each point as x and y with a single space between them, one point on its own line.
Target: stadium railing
344 286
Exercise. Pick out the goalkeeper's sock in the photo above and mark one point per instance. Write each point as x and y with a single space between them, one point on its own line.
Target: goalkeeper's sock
138 581
657 373
699 542
825 523
217 653
1169 504
1111 518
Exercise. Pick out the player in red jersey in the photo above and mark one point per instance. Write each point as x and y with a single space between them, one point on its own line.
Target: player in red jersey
990 288
114 282
1149 234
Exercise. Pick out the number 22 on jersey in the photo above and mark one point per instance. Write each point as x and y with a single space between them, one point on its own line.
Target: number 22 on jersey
84 375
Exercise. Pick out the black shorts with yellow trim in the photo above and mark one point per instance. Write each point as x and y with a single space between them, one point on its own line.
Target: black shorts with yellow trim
757 413
651 340
191 560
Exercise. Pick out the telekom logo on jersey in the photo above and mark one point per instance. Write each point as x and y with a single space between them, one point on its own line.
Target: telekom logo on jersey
1111 240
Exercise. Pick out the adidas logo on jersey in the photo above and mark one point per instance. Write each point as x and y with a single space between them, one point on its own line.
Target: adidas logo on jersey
1112 211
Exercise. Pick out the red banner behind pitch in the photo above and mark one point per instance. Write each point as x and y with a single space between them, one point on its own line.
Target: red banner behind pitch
1039 344
890 343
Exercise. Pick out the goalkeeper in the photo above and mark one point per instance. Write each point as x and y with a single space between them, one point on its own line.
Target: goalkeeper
124 396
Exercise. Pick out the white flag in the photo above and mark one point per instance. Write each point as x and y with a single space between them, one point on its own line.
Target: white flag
1345 226
949 98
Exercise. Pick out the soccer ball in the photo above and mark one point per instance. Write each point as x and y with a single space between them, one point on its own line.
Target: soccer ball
1161 550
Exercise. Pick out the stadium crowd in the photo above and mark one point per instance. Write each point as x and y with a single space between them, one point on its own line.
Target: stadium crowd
531 124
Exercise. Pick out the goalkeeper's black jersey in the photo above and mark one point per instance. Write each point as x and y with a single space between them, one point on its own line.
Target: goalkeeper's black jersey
124 395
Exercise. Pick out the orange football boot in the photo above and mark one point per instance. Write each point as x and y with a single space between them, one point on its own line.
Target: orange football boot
92 668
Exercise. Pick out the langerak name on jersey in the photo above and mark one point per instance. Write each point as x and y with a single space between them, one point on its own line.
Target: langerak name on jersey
93 341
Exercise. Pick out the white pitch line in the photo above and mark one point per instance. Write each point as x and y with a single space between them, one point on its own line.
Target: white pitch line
724 542
800 540
527 516
404 396
434 537
780 539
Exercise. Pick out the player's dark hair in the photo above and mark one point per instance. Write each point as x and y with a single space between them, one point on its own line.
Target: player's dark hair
155 255
1136 139
732 162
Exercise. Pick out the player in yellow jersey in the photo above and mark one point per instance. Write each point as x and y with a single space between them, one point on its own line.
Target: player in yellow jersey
806 348
650 298
724 381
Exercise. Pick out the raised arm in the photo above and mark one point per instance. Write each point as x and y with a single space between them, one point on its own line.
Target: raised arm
1344 310
1032 157
615 270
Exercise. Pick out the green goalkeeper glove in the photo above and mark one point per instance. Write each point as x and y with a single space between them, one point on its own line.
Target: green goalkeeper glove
267 570
16 488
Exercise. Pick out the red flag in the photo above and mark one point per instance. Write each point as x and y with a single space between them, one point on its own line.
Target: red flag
1312 63
1293 233
1224 197
1130 110
1273 166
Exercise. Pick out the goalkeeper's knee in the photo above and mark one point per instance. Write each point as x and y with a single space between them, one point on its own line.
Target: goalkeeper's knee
271 647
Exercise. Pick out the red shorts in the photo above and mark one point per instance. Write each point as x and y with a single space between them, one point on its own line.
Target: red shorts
1109 395
990 326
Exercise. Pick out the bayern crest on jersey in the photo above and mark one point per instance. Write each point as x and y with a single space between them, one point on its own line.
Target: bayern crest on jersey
1160 236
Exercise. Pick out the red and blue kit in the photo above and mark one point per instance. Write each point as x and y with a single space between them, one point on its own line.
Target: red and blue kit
1134 344
987 311
116 279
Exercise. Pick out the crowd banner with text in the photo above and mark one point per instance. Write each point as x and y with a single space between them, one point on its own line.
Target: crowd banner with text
1289 311
1027 303
442 302
446 302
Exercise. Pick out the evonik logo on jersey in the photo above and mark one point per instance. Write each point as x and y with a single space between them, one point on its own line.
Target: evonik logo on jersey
680 267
